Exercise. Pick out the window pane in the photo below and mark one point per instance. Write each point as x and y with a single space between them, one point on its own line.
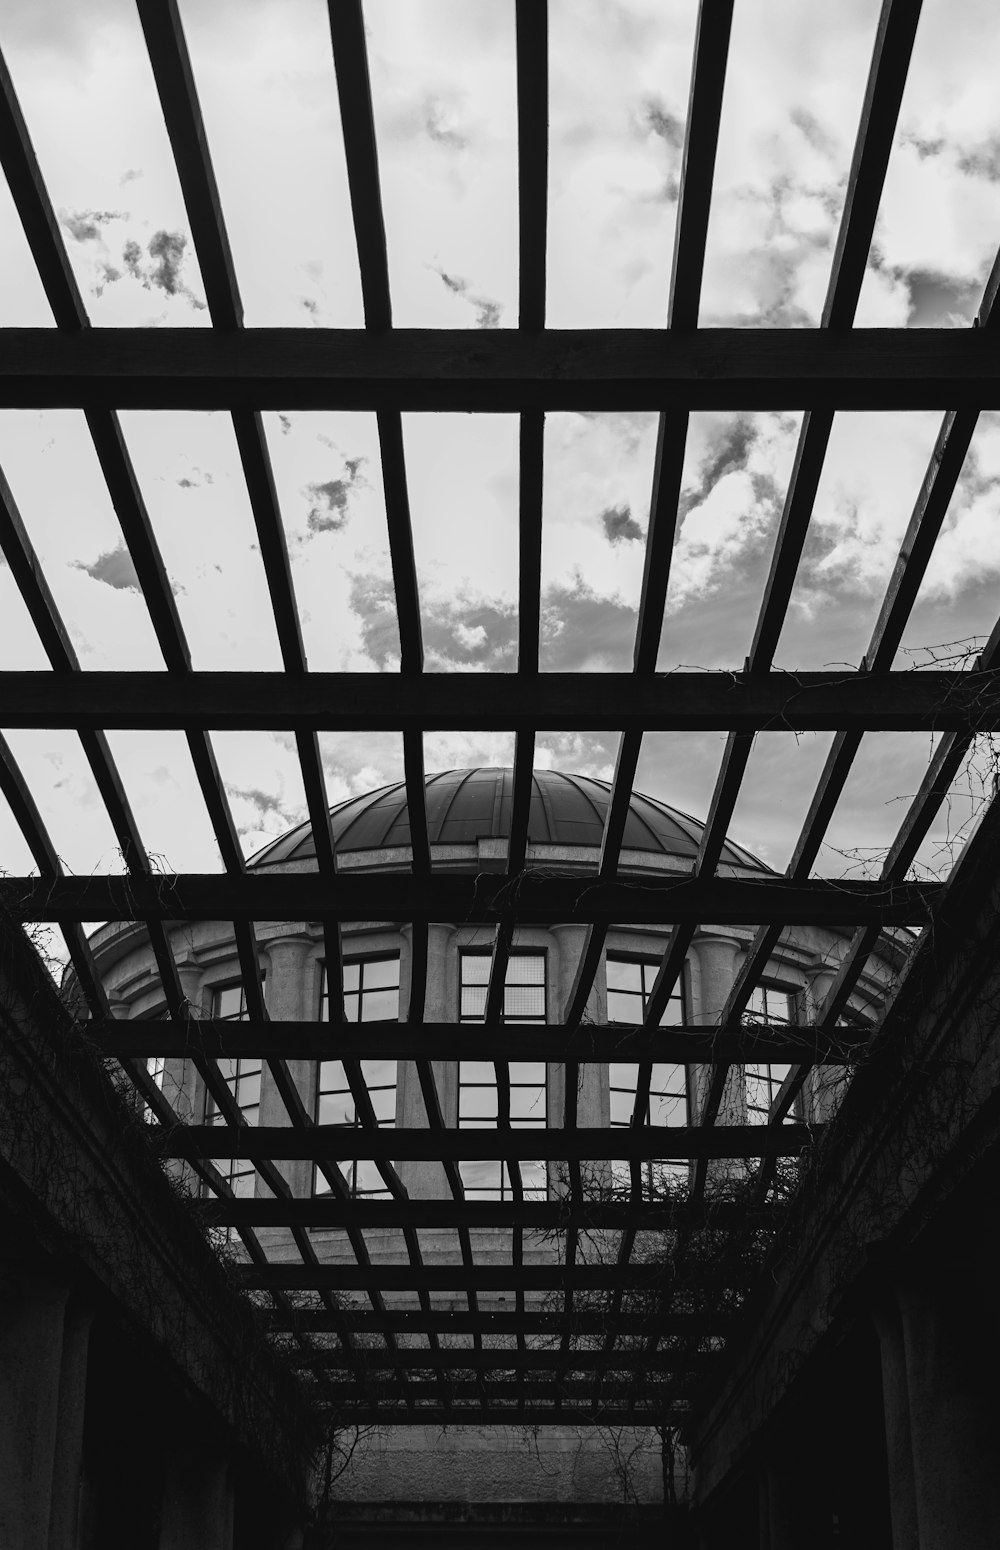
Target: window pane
351 1004
623 1008
524 1001
352 975
379 1006
379 971
475 968
473 1001
623 975
526 969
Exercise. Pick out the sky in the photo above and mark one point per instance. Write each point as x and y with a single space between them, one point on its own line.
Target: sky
443 87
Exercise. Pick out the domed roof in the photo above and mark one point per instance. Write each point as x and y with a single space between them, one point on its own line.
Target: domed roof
464 806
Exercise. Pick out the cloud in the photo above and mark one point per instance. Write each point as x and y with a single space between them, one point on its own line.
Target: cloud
619 525
85 225
459 632
656 118
440 126
488 311
114 569
329 499
130 175
167 250
584 632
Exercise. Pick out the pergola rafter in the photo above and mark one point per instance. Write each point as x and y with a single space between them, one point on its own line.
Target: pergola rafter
641 1323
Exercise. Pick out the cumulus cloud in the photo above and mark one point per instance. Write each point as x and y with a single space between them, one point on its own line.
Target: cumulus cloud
329 499
86 225
166 253
114 569
488 311
619 525
441 123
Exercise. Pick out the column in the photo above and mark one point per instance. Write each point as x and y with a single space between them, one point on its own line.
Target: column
198 1500
593 1108
953 1424
181 1085
896 1412
289 1000
44 1334
427 1180
825 1085
716 962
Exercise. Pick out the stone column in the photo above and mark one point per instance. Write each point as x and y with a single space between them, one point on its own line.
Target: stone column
426 1180
716 965
44 1335
953 1424
182 1086
288 1000
896 1411
824 1085
593 1104
198 1500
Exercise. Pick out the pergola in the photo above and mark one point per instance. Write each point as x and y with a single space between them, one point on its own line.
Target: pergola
638 1351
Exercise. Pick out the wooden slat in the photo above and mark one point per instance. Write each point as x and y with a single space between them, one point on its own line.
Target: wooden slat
456 1323
499 1360
499 370
350 55
516 1414
924 701
545 899
531 19
779 1042
326 1142
542 1216
453 1278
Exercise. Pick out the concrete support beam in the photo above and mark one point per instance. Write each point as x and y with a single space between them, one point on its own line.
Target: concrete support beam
198 1500
896 1410
44 1333
953 1425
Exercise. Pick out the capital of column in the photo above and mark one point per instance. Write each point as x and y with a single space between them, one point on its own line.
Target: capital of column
287 992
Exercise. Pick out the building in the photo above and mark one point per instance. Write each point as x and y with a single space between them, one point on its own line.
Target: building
468 817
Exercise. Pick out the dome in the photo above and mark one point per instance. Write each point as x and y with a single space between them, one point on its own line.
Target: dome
464 806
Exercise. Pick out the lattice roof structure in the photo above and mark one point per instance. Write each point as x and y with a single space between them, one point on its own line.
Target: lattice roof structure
526 371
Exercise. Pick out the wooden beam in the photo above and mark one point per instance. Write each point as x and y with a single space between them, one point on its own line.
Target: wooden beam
329 1142
455 1277
456 1323
499 370
688 1044
500 1359
923 701
608 1413
327 1213
542 898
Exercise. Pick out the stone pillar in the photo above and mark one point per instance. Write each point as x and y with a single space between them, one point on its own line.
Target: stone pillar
288 1000
198 1500
182 1086
426 1180
716 965
896 1411
593 1104
953 1426
44 1335
824 1085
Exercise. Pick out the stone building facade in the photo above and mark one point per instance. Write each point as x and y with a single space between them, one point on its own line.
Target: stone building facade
468 819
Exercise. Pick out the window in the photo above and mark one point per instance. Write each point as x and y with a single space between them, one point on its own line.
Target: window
371 995
768 1004
524 1002
630 984
242 1077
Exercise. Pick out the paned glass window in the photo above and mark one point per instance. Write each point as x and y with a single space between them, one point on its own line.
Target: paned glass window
371 995
524 1002
242 1077
630 983
767 1004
